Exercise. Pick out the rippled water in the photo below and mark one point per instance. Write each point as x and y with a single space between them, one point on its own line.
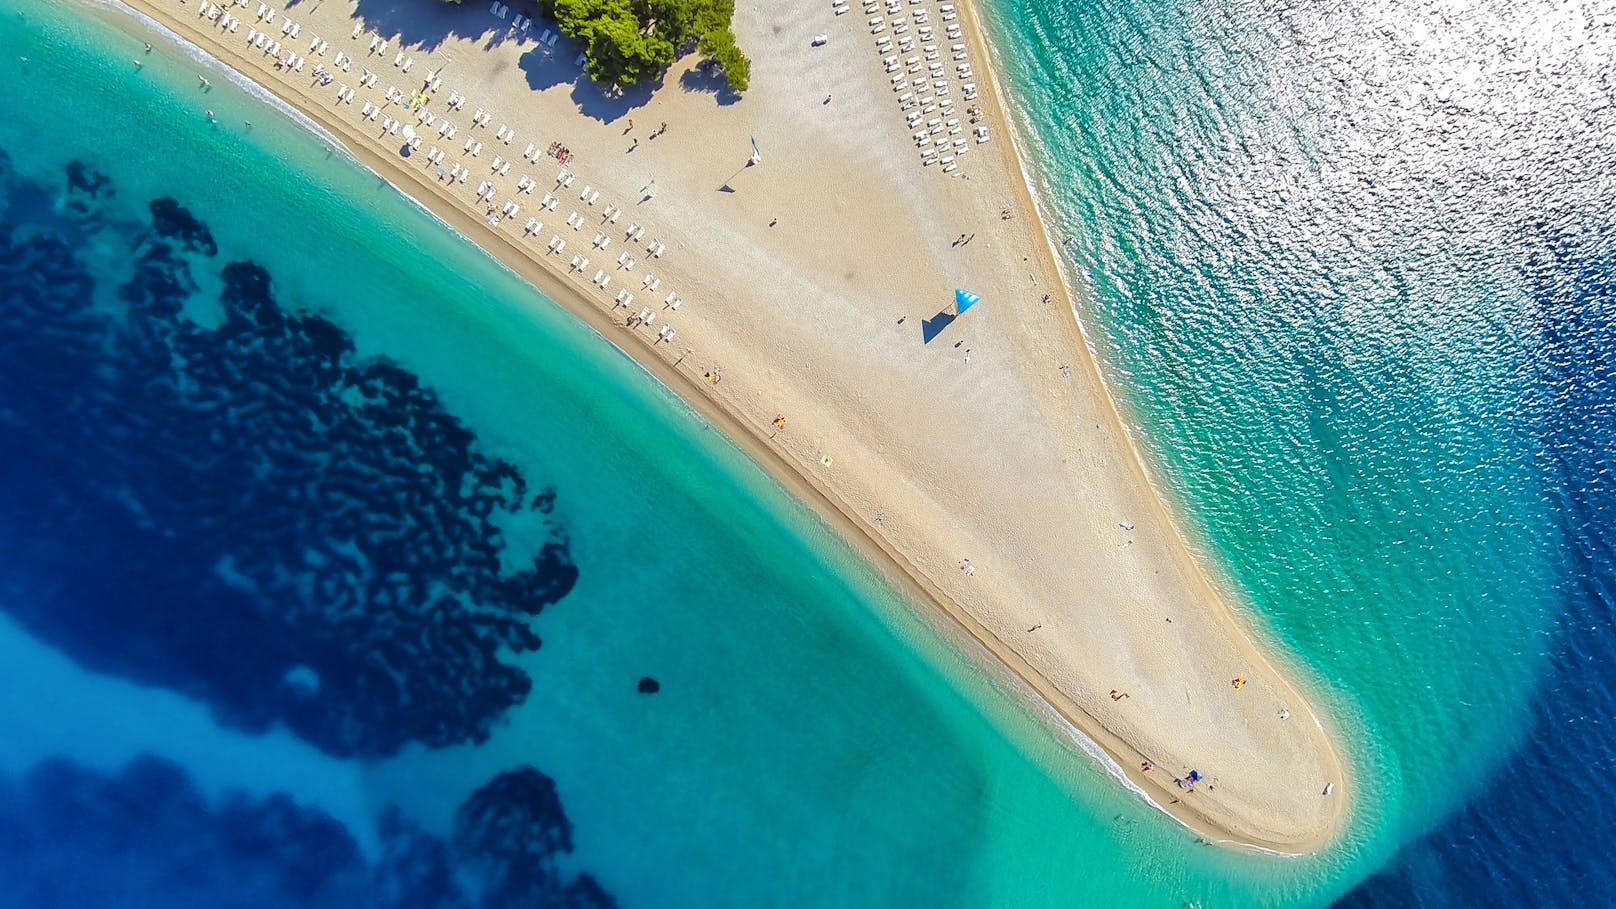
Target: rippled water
334 556
1351 265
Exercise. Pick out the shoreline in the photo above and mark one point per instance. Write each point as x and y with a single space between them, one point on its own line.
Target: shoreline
962 628
1218 585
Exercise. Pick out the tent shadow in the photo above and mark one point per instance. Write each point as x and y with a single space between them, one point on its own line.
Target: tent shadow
932 327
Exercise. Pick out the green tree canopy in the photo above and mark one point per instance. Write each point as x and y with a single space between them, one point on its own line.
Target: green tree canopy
630 41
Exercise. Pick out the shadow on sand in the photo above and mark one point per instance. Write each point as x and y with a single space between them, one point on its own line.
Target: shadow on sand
932 327
426 25
707 78
548 67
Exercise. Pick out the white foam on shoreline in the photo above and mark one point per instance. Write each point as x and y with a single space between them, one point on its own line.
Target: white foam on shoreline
229 72
1023 691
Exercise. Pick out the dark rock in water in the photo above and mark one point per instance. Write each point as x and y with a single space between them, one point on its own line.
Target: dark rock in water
512 833
649 685
251 513
149 830
258 517
82 178
173 221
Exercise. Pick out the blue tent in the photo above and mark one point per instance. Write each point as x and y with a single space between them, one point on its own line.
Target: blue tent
963 300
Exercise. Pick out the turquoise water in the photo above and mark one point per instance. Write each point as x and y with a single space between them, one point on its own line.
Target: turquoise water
1334 257
813 741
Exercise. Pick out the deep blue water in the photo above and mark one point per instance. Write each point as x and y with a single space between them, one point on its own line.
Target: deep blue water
1537 832
245 511
1352 265
208 491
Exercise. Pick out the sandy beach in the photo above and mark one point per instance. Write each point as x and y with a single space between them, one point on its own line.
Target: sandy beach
981 459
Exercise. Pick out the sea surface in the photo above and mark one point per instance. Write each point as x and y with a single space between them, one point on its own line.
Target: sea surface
338 567
1352 267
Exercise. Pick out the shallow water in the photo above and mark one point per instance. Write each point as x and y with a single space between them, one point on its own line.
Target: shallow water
310 462
1351 267
335 555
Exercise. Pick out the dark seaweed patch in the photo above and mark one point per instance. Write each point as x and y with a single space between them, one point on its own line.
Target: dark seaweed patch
72 837
251 513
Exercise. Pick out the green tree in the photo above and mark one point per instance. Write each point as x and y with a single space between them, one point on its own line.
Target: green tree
719 46
631 41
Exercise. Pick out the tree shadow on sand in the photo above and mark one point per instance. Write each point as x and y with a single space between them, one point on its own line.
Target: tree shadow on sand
707 77
549 67
426 26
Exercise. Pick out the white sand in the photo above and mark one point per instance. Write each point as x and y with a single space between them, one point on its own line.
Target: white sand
1000 460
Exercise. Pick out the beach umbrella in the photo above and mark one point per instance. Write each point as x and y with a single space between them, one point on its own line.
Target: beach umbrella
409 133
963 300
